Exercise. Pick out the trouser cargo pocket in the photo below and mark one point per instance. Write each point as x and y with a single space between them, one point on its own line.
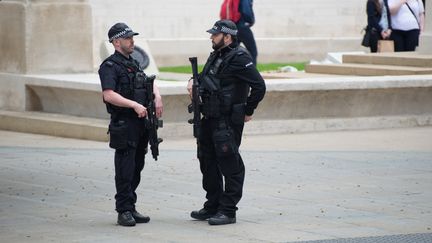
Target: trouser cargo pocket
118 135
224 143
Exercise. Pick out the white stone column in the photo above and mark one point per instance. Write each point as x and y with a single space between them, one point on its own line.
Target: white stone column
426 37
46 36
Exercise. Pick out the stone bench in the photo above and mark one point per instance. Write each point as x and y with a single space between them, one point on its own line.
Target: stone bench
295 105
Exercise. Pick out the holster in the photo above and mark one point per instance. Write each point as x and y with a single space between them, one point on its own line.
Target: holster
118 134
224 142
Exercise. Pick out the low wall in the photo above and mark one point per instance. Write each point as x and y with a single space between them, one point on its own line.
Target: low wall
295 105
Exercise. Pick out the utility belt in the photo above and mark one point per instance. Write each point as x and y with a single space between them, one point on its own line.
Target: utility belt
122 123
234 115
122 113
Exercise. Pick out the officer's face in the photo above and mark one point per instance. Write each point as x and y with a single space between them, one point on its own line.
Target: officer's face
125 45
217 41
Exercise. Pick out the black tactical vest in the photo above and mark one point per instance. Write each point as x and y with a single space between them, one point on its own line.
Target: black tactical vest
132 87
217 98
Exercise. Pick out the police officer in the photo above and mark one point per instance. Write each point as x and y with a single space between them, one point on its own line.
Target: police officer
231 88
120 75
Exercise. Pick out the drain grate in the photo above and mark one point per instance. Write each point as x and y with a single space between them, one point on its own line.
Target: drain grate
409 238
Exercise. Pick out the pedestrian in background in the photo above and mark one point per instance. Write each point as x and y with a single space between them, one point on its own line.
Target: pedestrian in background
379 22
407 18
241 13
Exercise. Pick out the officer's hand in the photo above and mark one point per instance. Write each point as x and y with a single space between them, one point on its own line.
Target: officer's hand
140 110
247 118
159 106
189 87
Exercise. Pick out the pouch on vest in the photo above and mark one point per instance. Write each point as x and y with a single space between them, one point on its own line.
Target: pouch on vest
118 134
224 143
211 106
139 92
211 100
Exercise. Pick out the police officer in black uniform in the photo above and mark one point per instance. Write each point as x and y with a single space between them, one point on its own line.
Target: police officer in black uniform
121 79
230 89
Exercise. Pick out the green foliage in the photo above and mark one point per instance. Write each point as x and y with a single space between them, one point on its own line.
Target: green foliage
262 67
180 69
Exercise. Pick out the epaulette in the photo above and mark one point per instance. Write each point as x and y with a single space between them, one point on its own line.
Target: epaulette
241 50
109 63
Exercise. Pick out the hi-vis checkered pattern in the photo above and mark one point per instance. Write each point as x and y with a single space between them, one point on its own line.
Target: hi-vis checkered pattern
120 34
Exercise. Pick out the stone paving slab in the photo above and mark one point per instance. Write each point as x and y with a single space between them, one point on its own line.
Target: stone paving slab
308 187
414 238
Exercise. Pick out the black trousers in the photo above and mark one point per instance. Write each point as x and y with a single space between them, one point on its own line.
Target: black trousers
405 40
246 36
217 169
129 163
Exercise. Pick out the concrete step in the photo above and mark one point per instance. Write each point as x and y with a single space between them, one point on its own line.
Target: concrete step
294 75
410 59
96 129
68 126
365 69
55 125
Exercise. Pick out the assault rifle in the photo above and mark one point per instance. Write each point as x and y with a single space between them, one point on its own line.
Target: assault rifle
196 101
153 123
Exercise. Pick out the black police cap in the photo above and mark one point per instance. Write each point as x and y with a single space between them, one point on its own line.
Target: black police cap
224 26
120 30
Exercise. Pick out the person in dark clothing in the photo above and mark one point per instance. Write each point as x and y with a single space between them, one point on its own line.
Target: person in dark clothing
121 77
379 22
231 90
241 12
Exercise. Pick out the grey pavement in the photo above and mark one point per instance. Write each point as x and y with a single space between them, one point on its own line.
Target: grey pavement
351 186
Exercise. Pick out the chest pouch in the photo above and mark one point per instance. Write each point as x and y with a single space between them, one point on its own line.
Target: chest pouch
139 91
125 84
211 106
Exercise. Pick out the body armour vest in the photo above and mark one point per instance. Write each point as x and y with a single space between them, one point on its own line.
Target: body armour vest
131 84
219 96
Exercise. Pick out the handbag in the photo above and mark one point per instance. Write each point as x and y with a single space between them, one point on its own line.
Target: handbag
385 46
366 38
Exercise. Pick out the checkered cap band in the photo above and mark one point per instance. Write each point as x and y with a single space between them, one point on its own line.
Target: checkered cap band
227 30
120 34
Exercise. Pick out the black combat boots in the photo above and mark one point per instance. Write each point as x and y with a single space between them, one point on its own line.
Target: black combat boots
139 218
126 219
220 219
202 214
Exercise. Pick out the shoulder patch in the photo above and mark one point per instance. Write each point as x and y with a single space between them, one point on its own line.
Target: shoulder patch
109 63
249 64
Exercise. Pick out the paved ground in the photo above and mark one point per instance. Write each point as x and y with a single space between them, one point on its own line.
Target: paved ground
301 187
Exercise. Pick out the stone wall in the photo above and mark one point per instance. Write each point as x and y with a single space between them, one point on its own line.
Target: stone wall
67 36
285 29
45 36
426 37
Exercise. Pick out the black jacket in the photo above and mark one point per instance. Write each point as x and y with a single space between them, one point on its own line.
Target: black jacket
374 16
239 70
